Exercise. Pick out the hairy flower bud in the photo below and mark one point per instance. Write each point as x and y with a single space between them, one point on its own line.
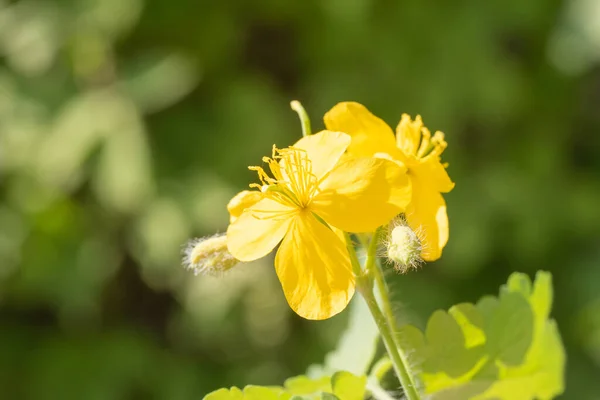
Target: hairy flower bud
404 247
209 255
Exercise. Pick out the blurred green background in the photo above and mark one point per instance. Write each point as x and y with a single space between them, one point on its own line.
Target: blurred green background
126 125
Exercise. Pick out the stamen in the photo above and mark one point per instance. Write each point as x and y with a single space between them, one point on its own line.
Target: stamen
438 145
262 175
438 137
425 143
292 178
281 194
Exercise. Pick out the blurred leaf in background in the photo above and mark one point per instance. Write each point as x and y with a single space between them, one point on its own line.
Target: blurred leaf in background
126 126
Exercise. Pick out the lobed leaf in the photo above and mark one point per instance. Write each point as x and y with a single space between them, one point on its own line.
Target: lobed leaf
341 386
500 348
301 385
347 386
250 392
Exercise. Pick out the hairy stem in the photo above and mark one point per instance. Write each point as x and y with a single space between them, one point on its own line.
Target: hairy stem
388 311
364 282
374 267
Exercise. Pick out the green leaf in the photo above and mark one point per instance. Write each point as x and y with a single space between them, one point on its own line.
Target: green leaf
341 386
264 393
500 348
347 386
329 396
250 392
381 368
225 394
300 385
357 346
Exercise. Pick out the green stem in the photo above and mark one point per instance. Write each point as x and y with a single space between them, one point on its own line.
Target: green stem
360 275
304 120
385 297
390 344
375 270
374 267
364 282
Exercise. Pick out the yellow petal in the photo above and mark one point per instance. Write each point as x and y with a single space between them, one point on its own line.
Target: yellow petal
324 149
433 172
370 134
241 201
314 268
362 194
408 134
402 161
427 216
259 229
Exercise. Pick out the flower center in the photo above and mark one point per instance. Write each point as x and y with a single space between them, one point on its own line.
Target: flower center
292 179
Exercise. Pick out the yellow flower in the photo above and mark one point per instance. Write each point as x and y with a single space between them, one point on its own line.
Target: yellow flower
414 148
314 193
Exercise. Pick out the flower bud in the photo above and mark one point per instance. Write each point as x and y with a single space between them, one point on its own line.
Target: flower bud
404 247
209 255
